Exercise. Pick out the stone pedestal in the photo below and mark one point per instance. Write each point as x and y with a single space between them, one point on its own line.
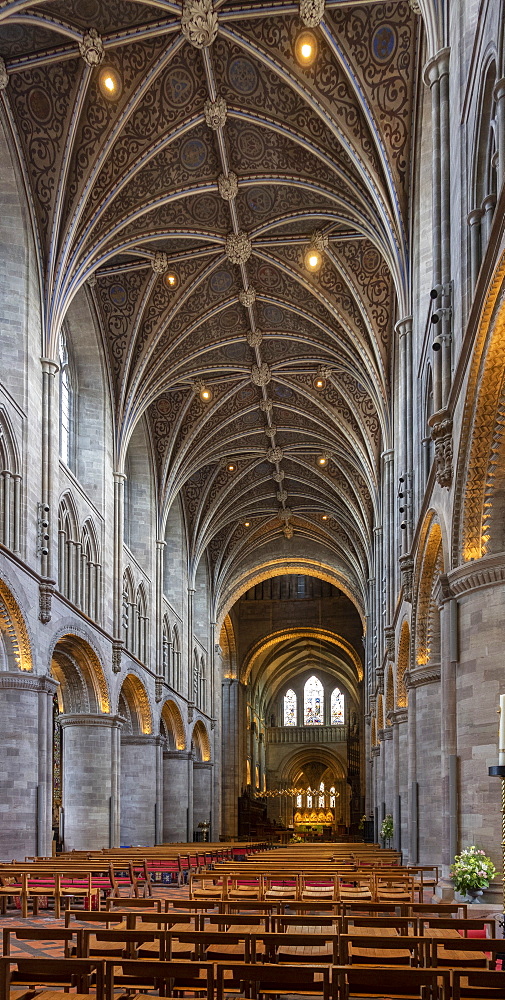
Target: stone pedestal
175 795
140 766
90 781
202 793
26 711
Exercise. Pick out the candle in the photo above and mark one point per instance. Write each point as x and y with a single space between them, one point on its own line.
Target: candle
501 736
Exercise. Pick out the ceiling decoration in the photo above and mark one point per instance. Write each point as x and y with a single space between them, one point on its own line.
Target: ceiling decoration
179 163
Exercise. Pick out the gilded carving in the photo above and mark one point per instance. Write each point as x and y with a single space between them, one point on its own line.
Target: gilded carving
12 622
247 297
260 374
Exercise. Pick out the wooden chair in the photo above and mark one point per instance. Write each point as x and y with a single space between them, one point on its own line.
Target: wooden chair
458 926
393 983
72 938
393 888
272 980
162 976
136 943
470 984
463 951
296 947
135 903
280 887
60 972
364 949
318 888
355 888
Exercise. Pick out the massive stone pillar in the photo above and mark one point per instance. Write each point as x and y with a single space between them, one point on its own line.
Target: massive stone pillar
26 710
90 780
230 757
139 787
175 795
202 792
399 777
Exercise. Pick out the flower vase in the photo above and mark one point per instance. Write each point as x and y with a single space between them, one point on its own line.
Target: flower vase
469 896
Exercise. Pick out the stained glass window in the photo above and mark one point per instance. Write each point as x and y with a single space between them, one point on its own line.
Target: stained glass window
332 798
290 708
298 801
313 702
309 801
321 795
337 708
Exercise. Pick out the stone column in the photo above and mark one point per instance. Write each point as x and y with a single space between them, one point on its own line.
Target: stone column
139 772
230 785
425 788
48 460
397 718
202 792
90 763
175 796
26 764
412 848
117 570
448 745
388 768
474 221
499 95
160 548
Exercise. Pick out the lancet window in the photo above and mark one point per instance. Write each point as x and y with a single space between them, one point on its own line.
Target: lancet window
66 401
290 708
313 702
337 708
10 489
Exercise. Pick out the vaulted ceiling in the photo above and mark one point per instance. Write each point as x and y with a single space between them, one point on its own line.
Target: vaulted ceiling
221 164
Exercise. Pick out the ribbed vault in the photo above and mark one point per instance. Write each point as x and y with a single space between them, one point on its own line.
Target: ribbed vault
221 166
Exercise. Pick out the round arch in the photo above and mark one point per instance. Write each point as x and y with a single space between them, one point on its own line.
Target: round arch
301 567
14 631
201 742
424 609
171 716
137 701
77 668
402 665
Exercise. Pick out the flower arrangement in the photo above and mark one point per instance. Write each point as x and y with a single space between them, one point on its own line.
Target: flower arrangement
387 828
472 870
361 824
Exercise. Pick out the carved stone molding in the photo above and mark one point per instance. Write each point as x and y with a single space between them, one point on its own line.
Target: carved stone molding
288 531
442 591
81 719
441 433
489 571
260 374
311 12
228 186
215 113
274 455
141 740
91 281
389 635
91 47
399 716
407 574
419 676
254 338
270 432
379 680
386 733
46 591
375 751
191 710
159 262
414 6
177 755
199 22
238 248
4 76
247 298
117 650
203 765
12 681
158 689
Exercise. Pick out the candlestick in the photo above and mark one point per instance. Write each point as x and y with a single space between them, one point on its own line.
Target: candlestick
501 733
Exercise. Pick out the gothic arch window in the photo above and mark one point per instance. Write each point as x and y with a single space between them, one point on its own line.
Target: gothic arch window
167 643
313 702
90 572
66 401
483 198
176 659
68 560
337 708
290 708
10 487
202 688
129 609
141 650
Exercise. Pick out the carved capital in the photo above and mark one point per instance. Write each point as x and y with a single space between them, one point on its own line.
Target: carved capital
414 6
442 590
420 676
46 591
91 47
311 12
247 298
407 574
238 248
117 649
441 433
260 374
215 113
389 635
158 689
199 22
228 186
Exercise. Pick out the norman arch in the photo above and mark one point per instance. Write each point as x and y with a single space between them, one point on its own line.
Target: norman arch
15 651
134 701
82 684
172 720
200 742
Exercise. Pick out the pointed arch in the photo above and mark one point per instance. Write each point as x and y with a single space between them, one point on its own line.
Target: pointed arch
337 707
10 485
14 632
290 708
167 650
313 702
135 695
129 610
141 649
176 653
201 742
172 718
228 648
390 695
90 571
